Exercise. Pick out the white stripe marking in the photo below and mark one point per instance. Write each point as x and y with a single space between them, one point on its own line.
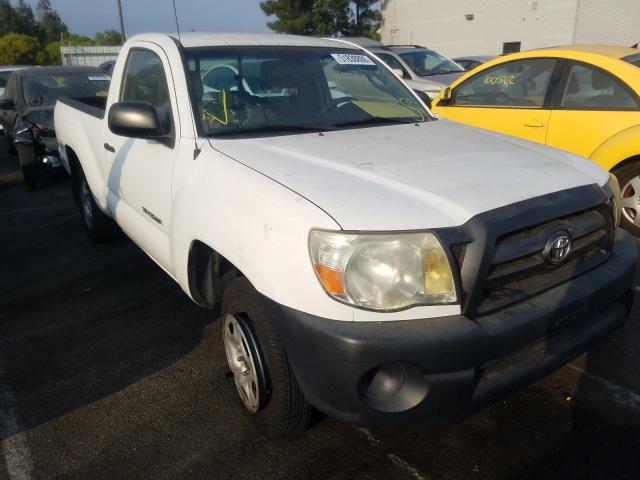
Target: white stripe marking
15 450
397 461
410 469
620 394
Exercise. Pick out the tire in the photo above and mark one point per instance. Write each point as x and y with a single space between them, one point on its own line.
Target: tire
629 178
29 166
283 411
99 226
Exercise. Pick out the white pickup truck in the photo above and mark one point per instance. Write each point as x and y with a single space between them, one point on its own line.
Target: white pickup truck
374 262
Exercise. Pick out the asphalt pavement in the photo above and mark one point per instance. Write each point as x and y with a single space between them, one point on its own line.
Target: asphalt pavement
108 370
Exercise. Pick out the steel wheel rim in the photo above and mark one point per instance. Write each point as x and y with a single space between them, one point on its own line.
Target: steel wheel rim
87 208
242 363
630 204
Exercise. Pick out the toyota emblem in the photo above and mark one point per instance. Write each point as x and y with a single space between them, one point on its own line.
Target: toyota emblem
558 247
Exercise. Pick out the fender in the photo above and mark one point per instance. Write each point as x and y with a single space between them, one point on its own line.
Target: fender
23 133
619 147
84 148
258 225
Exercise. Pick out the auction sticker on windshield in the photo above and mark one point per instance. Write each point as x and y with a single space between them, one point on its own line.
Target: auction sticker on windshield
99 79
352 59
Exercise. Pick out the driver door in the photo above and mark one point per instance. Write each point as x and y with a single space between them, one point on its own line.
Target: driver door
140 171
511 98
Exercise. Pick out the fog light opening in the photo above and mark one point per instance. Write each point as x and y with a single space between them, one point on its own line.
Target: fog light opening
393 387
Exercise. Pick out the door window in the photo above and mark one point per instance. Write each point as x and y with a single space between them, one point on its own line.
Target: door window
145 81
523 83
591 88
393 63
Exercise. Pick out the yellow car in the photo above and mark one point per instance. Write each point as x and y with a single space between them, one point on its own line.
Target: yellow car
584 99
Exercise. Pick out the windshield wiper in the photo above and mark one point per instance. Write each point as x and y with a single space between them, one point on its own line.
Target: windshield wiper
375 121
276 129
443 72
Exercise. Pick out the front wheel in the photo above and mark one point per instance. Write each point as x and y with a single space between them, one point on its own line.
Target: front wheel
262 375
629 180
97 224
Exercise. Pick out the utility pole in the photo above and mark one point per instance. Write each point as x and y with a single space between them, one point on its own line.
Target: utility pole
124 35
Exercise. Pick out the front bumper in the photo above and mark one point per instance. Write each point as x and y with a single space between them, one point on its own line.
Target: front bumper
437 371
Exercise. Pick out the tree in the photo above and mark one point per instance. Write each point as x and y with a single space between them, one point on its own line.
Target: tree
331 17
324 17
16 48
292 16
51 54
109 37
366 20
7 18
25 21
50 22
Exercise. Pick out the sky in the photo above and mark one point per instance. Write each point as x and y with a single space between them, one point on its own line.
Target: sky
86 17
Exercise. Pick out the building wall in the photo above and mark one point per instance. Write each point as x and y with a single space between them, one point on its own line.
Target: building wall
89 56
442 24
615 22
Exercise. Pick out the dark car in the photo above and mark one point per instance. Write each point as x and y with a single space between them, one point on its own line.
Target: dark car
26 110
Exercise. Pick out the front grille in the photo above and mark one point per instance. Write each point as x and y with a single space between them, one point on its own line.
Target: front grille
518 269
499 253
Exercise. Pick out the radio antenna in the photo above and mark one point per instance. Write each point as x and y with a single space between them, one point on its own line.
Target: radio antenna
175 13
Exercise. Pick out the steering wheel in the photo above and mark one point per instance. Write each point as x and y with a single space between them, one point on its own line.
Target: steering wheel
334 102
224 73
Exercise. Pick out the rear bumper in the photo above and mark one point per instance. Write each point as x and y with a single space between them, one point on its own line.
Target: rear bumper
436 371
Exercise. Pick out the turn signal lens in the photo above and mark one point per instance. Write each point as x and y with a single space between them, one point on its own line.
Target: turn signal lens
331 280
438 280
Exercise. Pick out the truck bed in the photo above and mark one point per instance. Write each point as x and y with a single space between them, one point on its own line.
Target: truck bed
94 106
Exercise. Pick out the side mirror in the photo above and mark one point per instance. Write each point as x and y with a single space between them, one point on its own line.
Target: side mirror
135 120
7 104
446 96
399 72
424 97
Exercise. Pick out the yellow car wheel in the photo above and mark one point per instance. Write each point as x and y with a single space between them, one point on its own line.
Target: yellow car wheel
629 179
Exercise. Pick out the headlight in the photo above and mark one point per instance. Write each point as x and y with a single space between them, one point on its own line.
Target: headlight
612 187
383 272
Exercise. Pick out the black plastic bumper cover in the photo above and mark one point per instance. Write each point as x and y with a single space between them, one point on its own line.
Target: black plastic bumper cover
468 365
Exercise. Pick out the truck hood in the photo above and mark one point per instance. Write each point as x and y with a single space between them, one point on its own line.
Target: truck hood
406 177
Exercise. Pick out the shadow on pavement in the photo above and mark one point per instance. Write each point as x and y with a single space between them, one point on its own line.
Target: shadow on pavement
79 322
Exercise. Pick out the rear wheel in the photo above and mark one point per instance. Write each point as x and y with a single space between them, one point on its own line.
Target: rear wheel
98 225
629 178
28 160
262 375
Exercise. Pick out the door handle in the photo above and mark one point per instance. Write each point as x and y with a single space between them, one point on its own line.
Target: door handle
109 148
534 123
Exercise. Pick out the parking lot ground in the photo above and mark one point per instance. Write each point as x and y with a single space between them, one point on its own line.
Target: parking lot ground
107 370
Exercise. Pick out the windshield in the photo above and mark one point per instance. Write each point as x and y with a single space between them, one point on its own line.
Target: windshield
427 62
242 90
44 90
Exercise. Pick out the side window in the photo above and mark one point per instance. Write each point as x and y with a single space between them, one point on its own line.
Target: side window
393 63
523 83
145 81
592 88
10 90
